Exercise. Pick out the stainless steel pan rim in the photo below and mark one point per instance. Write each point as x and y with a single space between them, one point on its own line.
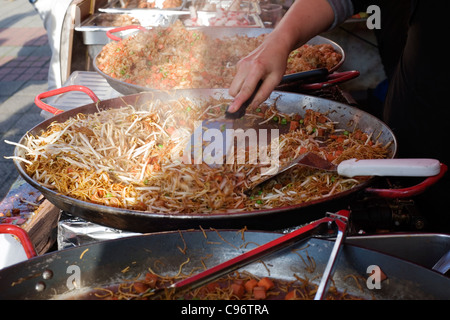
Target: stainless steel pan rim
142 221
102 264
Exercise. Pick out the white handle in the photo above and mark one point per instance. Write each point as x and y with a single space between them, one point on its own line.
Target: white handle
389 167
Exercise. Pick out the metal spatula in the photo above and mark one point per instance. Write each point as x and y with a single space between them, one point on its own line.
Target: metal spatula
218 128
352 168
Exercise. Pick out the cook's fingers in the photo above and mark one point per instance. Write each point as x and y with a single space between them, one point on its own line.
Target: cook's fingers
237 84
264 91
244 94
248 89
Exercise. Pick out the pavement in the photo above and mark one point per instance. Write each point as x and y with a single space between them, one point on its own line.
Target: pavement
24 61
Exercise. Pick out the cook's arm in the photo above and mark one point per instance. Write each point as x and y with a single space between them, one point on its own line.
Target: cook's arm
304 20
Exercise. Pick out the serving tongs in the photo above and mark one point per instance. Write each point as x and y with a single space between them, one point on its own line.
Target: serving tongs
332 224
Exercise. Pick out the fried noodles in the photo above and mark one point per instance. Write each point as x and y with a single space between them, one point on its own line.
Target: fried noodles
133 157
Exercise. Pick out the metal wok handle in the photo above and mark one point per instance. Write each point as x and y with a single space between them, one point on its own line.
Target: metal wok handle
332 79
23 237
409 191
38 100
110 35
305 75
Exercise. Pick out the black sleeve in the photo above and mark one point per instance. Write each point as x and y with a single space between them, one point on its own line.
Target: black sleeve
343 9
361 5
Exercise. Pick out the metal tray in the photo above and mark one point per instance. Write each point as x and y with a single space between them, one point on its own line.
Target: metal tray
203 20
213 5
116 7
94 34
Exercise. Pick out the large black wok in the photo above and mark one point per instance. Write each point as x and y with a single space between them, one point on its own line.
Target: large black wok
132 220
71 272
222 32
140 221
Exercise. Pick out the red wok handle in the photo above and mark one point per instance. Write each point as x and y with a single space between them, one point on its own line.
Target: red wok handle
409 191
284 241
110 35
332 79
55 92
23 237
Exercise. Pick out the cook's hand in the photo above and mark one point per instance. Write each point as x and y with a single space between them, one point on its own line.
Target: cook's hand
267 63
303 20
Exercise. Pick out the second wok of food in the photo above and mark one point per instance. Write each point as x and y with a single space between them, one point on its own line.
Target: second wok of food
178 58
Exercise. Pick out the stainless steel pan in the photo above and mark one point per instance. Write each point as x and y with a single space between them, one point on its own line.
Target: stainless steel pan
72 272
222 32
140 221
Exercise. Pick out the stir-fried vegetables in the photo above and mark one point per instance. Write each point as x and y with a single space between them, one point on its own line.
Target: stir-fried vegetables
134 157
